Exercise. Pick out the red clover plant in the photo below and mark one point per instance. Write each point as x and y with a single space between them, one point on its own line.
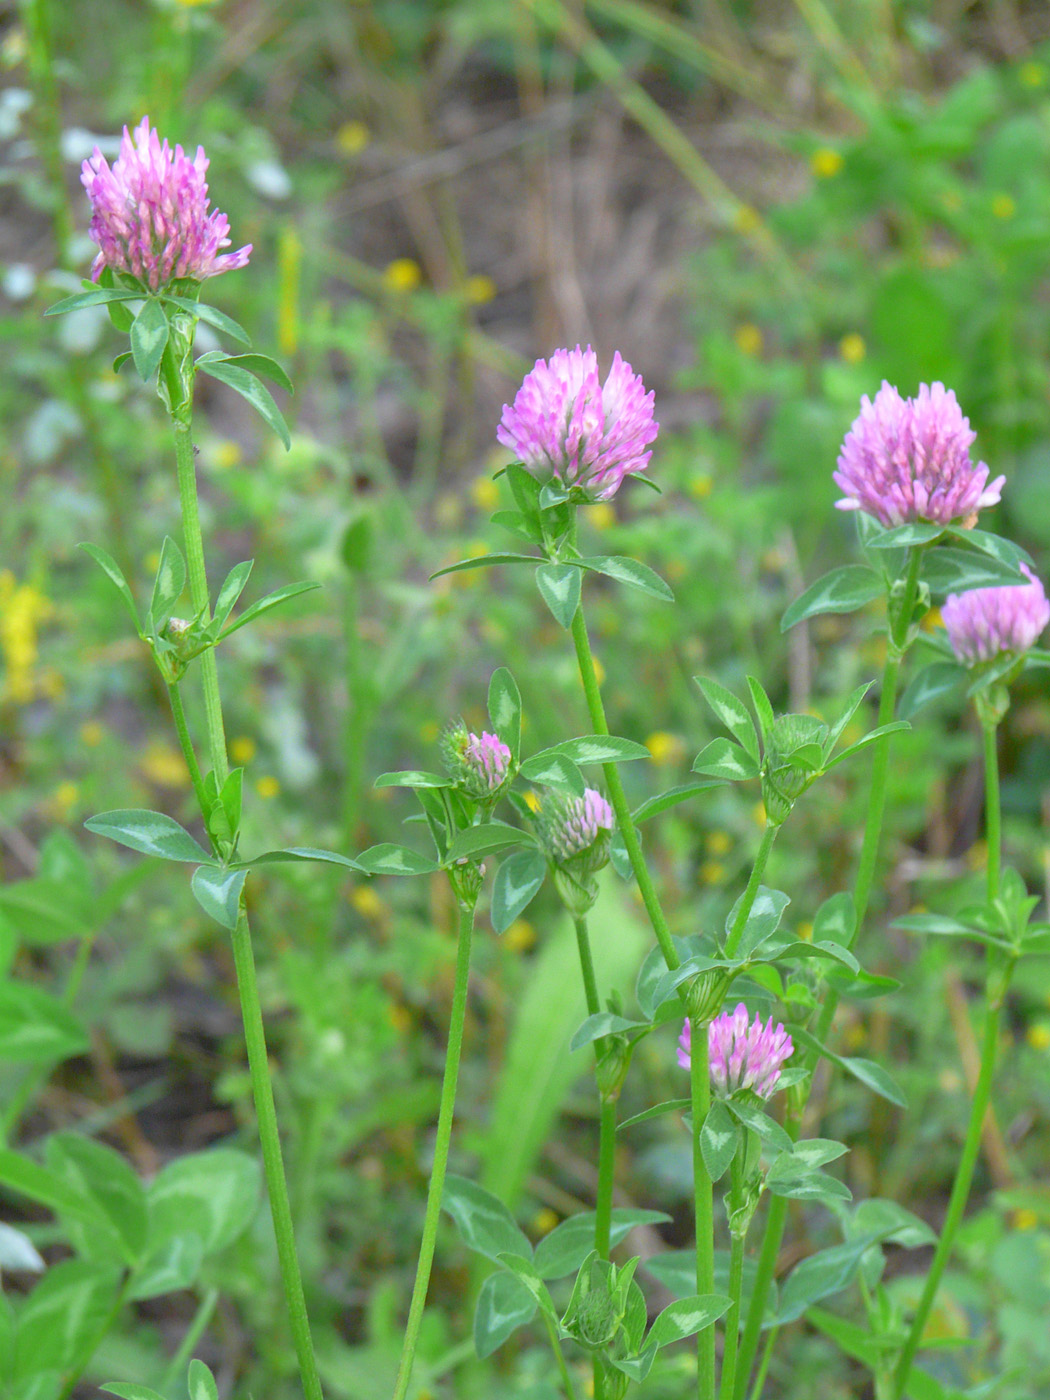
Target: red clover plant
572 439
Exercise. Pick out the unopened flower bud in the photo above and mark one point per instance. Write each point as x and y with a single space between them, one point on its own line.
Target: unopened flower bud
788 770
577 831
480 764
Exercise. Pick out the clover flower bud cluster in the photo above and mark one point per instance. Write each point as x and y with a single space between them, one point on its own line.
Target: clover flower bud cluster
151 214
578 827
480 763
564 423
909 459
984 623
742 1056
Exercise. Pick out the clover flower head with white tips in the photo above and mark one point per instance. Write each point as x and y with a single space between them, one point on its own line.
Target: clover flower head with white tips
566 425
909 459
150 213
984 623
741 1056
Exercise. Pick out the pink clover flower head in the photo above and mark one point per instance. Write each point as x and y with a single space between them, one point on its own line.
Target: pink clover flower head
742 1056
575 824
150 213
564 423
983 623
909 459
488 759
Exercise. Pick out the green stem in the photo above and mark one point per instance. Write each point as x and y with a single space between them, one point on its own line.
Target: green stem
700 1093
198 578
776 1216
763 1365
617 797
273 1165
441 1146
188 1345
606 1172
559 1357
179 385
993 819
995 992
736 1282
186 745
768 837
590 986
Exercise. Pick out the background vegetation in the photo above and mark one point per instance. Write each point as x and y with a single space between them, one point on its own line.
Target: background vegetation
767 208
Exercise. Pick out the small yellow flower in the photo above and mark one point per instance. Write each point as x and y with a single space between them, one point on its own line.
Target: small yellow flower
532 800
52 683
601 515
1025 1219
400 1018
22 609
479 289
92 733
352 138
718 843
151 561
267 786
711 872
521 936
758 814
544 1221
664 747
826 163
749 339
701 486
746 219
63 800
484 492
402 275
429 730
242 749
1032 74
977 855
226 454
855 1036
932 620
852 348
804 932
164 765
1004 206
1038 1036
367 903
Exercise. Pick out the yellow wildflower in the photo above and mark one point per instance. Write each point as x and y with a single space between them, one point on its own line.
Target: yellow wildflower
521 935
402 275
544 1221
1004 206
664 747
1038 1036
267 786
242 749
826 163
63 800
92 733
852 348
352 138
746 219
164 765
1025 1219
749 338
484 492
479 289
701 486
226 454
601 515
718 843
711 872
22 609
367 902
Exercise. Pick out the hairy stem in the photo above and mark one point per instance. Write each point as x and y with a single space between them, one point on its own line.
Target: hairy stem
776 1215
995 991
703 1197
446 1110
